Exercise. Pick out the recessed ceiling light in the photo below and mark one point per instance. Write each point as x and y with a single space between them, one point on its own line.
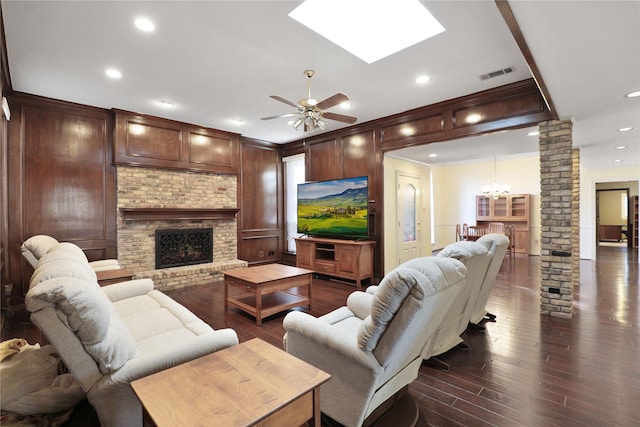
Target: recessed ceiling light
422 79
345 105
113 73
237 121
370 30
618 160
433 155
627 129
473 118
533 133
166 103
633 94
621 147
145 25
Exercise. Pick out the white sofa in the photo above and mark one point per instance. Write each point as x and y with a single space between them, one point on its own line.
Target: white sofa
374 346
109 336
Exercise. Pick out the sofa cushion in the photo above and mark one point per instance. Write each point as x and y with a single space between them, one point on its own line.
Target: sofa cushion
70 249
86 311
116 347
39 245
53 266
391 294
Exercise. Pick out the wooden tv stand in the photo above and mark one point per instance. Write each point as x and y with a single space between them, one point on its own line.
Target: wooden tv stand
346 259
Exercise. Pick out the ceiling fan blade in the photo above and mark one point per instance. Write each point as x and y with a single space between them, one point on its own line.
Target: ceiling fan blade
336 99
278 116
286 101
340 117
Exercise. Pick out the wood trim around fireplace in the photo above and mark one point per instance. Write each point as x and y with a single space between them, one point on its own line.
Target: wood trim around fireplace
173 214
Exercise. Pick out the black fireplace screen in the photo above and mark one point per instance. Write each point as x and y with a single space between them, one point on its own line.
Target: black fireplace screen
183 247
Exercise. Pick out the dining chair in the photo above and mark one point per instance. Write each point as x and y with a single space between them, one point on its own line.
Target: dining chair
510 232
458 232
465 231
495 227
475 232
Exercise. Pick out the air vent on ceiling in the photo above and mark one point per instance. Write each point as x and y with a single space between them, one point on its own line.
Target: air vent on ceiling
497 73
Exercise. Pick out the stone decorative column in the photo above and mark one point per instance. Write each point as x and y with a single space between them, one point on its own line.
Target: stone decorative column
559 195
575 217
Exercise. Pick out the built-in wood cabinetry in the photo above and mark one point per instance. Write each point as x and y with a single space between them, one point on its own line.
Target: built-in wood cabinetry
142 140
634 221
347 259
509 209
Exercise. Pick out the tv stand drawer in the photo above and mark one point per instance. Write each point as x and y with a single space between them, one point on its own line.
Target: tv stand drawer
325 267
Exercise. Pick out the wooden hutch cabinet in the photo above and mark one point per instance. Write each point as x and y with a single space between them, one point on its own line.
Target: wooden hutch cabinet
510 209
347 259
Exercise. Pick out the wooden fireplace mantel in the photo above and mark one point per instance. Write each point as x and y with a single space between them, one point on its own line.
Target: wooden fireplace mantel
176 214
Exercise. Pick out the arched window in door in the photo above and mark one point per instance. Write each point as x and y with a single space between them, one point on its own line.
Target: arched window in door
409 200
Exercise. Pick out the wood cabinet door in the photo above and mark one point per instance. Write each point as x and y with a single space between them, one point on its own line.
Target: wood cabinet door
500 207
483 207
519 206
304 254
347 259
521 244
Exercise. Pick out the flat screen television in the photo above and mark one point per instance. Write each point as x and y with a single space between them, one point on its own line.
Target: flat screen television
336 208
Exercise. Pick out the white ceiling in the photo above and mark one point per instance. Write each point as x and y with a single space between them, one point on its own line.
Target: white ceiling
221 60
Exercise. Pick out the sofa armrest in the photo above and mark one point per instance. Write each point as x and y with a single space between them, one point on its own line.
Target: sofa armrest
174 354
300 326
105 264
128 289
372 289
360 303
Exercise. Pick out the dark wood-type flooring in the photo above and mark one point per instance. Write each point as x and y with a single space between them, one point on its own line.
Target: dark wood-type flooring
523 370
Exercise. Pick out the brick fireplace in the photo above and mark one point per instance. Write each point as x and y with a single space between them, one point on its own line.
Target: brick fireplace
150 199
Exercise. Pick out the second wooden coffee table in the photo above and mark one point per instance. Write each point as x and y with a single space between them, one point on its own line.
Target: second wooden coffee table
267 289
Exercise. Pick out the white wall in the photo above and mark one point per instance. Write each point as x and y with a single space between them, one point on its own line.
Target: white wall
392 165
588 181
456 186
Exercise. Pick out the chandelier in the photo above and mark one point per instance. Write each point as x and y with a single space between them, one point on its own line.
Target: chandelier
495 190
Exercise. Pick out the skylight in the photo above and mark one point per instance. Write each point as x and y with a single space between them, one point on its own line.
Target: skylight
369 29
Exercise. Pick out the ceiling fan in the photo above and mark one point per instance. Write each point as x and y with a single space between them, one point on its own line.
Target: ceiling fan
310 112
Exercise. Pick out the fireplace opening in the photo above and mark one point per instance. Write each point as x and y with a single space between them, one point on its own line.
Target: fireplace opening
176 248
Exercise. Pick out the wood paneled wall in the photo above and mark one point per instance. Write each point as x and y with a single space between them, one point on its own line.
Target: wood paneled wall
5 89
260 229
358 150
61 178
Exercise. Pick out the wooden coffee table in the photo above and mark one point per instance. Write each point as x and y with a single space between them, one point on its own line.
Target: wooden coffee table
266 289
250 384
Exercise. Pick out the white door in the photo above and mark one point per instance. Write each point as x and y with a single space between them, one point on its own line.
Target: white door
408 204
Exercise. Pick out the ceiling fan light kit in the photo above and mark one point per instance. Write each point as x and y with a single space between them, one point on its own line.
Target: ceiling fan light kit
310 112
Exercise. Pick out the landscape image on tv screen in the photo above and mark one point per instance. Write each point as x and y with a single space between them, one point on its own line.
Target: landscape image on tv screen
337 208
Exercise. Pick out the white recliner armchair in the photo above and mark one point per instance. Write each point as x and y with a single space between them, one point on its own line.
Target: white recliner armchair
497 245
373 347
36 247
476 259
